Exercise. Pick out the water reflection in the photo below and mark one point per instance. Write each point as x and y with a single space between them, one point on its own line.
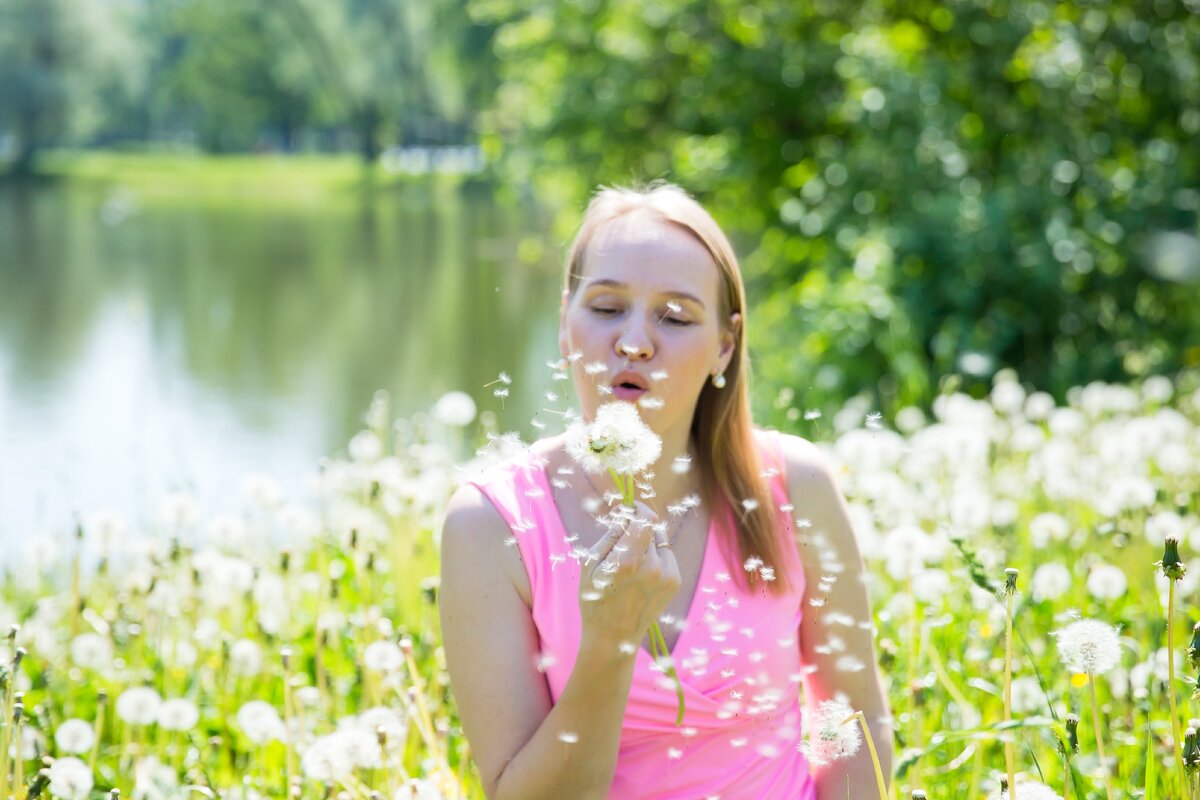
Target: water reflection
147 346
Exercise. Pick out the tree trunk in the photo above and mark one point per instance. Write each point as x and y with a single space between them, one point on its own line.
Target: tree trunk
369 123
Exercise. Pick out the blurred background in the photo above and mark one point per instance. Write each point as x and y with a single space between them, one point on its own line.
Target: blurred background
224 224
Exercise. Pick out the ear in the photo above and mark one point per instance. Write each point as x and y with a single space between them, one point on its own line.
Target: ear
729 339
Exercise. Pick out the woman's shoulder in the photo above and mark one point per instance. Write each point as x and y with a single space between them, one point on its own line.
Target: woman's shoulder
809 471
800 456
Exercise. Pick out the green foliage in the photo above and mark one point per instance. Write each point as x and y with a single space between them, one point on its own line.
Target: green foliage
61 62
918 189
239 76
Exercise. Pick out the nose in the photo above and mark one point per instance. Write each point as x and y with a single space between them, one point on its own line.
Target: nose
634 344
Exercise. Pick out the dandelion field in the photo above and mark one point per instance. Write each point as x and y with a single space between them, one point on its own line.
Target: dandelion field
293 651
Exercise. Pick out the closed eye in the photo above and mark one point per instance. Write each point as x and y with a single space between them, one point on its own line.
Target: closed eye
679 322
603 311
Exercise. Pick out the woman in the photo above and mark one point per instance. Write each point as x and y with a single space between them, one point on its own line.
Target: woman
758 587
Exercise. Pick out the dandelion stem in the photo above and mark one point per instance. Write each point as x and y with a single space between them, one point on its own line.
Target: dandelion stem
1099 738
287 714
862 721
1178 740
665 654
1009 761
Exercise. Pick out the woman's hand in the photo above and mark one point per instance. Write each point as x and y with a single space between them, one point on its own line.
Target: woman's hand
627 581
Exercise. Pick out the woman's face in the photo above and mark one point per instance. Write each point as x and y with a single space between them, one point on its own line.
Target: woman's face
647 303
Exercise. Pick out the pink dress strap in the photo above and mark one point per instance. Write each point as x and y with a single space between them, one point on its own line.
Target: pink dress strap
737 653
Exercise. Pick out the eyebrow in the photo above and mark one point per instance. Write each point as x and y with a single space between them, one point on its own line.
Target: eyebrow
620 285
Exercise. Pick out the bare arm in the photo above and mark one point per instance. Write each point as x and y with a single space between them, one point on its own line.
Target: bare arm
491 644
856 679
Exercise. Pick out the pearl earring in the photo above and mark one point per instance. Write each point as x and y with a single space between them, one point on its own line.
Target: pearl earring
719 380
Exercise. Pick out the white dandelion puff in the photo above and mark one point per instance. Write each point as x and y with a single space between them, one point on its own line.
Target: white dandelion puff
617 439
749 504
595 368
383 656
70 779
1027 790
568 737
874 421
831 734
75 736
1090 646
139 705
658 375
651 403
455 409
178 714
327 759
260 722
812 414
501 392
752 564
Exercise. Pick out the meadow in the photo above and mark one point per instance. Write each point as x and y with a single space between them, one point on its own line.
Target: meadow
293 650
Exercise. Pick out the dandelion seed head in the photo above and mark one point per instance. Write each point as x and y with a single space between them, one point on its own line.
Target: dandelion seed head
617 439
75 736
383 656
829 736
178 714
138 705
1027 790
70 778
260 722
1089 646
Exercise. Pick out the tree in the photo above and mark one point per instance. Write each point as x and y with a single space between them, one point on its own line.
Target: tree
58 60
919 188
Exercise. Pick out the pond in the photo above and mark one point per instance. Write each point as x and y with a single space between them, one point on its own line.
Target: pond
149 346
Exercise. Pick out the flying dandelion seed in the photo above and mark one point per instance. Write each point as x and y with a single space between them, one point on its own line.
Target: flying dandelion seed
812 414
567 737
595 368
874 420
658 375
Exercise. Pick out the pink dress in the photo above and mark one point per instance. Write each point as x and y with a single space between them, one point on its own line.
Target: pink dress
737 655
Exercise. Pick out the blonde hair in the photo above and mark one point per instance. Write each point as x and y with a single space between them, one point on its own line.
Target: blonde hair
722 427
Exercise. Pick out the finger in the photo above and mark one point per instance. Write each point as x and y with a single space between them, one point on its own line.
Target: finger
602 548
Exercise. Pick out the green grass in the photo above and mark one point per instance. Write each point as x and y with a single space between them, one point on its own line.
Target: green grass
206 179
